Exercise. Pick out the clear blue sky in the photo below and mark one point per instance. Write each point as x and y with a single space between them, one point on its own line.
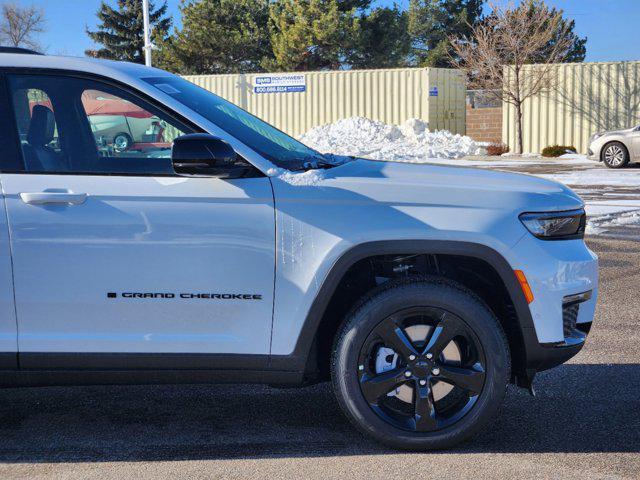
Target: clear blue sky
612 26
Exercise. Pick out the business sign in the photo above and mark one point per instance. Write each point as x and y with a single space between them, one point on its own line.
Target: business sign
279 83
433 92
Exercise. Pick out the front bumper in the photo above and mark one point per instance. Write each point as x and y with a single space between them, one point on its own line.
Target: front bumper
545 356
563 276
593 151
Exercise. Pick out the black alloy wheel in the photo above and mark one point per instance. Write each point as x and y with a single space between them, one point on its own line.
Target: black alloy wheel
420 363
444 369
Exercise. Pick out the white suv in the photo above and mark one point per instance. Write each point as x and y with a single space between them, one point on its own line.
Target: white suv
218 249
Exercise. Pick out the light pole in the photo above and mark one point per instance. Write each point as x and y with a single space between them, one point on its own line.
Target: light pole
146 33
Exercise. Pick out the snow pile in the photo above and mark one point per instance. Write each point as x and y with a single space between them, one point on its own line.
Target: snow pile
410 142
574 156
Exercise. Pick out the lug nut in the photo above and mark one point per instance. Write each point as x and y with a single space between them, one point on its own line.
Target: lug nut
436 371
423 382
407 373
412 357
429 356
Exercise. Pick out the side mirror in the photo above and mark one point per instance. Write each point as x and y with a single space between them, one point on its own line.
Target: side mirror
204 154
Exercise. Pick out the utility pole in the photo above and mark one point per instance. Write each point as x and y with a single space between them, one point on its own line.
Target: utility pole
146 33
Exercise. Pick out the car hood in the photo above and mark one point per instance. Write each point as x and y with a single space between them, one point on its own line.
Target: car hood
618 132
397 182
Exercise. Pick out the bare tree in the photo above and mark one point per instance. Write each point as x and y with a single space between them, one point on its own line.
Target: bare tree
20 25
498 55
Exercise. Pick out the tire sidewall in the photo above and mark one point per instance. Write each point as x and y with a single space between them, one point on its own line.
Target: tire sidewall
463 304
624 163
126 136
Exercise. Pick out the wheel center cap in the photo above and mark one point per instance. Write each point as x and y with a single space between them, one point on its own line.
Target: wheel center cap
421 368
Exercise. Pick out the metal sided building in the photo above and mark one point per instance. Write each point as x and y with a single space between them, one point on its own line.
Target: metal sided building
584 98
298 101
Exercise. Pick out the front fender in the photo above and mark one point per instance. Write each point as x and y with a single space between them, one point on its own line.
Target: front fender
297 359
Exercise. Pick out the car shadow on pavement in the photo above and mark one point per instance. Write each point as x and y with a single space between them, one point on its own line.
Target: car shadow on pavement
579 408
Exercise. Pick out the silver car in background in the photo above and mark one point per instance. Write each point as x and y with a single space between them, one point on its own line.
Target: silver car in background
617 148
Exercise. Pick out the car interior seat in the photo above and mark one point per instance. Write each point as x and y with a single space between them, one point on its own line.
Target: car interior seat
39 156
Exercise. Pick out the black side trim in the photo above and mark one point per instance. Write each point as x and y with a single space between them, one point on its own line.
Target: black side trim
8 360
298 359
141 361
42 378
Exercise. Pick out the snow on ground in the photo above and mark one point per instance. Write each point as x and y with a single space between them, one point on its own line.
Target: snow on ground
511 160
597 176
606 211
409 142
603 223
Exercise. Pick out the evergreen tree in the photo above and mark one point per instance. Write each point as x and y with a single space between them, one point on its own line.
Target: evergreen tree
219 36
383 40
432 22
347 5
564 33
311 34
121 30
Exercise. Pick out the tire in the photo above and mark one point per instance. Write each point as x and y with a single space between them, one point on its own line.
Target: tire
122 141
615 155
398 419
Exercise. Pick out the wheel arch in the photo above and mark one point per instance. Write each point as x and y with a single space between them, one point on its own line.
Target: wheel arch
619 140
306 352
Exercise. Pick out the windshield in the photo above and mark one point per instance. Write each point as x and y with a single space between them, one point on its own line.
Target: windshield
268 141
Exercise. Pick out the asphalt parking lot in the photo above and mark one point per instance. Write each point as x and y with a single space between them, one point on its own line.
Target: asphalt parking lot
584 423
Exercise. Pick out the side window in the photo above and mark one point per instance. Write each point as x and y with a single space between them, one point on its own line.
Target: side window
123 129
76 125
38 131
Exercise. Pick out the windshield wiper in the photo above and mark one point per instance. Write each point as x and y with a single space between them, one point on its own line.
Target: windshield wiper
320 162
325 161
316 164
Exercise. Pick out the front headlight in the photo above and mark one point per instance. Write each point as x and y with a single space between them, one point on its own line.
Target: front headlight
556 225
595 136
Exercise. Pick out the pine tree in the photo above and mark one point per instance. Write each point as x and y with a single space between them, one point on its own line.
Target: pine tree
383 40
432 22
219 36
121 30
311 34
347 5
564 33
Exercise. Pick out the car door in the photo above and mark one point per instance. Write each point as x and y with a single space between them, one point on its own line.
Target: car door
635 143
8 330
115 254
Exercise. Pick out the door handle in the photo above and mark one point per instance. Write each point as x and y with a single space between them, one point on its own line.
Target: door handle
53 198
